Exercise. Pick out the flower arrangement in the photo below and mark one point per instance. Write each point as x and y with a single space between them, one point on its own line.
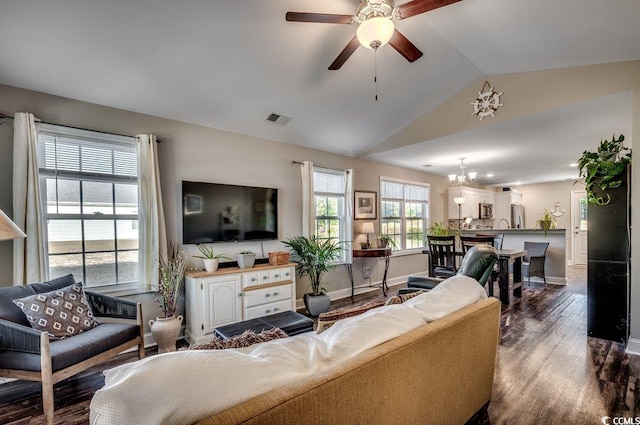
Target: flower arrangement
170 280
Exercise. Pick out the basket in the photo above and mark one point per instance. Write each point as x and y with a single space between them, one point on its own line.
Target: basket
278 258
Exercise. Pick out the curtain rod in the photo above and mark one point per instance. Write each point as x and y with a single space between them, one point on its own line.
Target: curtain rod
3 116
294 162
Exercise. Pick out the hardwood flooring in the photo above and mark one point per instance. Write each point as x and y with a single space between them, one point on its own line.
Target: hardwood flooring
548 371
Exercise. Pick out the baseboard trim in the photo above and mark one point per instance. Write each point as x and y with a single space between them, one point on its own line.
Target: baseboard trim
633 347
551 280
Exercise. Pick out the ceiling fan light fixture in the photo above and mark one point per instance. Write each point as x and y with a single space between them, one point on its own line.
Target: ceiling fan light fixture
375 32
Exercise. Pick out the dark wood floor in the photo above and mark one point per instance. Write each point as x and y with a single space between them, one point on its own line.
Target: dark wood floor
548 371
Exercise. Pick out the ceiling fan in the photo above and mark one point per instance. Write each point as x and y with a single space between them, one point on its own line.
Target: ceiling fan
375 25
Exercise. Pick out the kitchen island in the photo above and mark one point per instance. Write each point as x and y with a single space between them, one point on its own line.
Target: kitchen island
556 261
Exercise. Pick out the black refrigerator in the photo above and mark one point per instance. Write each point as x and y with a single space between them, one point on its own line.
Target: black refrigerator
609 252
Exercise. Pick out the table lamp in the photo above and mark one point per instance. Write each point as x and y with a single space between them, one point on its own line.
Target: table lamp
8 229
367 227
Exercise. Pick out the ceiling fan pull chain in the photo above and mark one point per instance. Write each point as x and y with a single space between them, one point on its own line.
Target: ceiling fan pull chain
375 71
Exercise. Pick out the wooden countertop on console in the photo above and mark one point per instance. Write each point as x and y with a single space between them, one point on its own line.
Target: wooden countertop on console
229 270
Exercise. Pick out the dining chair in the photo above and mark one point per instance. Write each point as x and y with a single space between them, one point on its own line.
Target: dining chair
497 239
533 261
442 253
467 242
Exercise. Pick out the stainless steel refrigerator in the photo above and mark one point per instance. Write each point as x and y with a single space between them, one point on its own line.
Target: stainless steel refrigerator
517 217
608 282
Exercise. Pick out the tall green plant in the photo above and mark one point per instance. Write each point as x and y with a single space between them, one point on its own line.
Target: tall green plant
314 257
604 169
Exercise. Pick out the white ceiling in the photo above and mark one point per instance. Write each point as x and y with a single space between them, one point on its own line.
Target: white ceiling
227 64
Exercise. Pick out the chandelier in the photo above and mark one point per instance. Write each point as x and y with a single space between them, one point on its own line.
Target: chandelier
462 177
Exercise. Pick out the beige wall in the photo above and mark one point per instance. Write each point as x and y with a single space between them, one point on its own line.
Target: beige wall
190 152
537 197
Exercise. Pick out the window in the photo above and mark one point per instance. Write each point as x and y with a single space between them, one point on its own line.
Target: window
404 212
89 192
329 188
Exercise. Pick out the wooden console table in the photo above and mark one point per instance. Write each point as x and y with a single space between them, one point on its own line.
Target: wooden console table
372 253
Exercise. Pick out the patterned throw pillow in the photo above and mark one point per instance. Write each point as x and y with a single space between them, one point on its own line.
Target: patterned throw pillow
62 313
328 319
399 299
246 339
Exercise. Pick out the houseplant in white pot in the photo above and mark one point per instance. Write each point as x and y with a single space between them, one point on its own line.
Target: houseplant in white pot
246 259
166 328
210 259
314 257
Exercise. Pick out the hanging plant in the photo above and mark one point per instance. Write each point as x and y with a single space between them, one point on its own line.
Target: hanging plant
604 169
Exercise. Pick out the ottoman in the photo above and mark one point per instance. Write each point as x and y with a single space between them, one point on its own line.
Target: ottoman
291 322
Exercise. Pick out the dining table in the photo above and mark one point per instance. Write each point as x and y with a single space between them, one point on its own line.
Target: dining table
509 273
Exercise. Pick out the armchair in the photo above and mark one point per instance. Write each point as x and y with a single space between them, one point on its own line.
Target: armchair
29 354
477 263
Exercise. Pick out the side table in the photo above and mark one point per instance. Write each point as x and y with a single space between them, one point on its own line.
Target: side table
384 253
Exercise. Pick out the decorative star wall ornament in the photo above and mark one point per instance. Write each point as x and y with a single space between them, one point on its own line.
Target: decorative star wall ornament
487 102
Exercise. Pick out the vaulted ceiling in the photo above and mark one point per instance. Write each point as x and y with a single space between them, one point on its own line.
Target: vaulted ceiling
228 64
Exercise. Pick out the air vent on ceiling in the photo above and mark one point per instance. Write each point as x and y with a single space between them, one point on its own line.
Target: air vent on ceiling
278 119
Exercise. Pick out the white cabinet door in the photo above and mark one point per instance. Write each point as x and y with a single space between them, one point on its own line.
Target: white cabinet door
516 198
221 301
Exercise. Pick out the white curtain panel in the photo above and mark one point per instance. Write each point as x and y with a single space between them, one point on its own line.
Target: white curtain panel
348 194
29 260
153 235
308 200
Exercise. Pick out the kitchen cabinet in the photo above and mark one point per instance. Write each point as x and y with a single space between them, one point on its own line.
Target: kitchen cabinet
471 206
230 295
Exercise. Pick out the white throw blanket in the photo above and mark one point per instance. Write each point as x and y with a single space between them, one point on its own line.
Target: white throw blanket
187 386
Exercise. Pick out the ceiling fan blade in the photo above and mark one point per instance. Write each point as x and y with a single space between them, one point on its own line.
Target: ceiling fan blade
417 7
345 54
404 46
324 18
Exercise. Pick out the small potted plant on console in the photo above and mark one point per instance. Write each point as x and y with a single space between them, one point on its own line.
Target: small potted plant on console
210 259
246 259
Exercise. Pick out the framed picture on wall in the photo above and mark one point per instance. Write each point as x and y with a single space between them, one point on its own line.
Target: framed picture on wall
365 205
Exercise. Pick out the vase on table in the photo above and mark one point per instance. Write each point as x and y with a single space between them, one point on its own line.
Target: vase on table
211 264
165 331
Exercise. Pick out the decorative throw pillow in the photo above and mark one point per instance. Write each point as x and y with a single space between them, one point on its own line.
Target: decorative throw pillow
246 339
328 319
62 313
399 299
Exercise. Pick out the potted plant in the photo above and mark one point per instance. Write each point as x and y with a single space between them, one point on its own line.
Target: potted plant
246 259
438 229
604 169
210 259
166 328
546 222
314 257
385 240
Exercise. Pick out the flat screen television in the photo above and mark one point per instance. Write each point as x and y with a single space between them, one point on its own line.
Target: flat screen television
214 212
